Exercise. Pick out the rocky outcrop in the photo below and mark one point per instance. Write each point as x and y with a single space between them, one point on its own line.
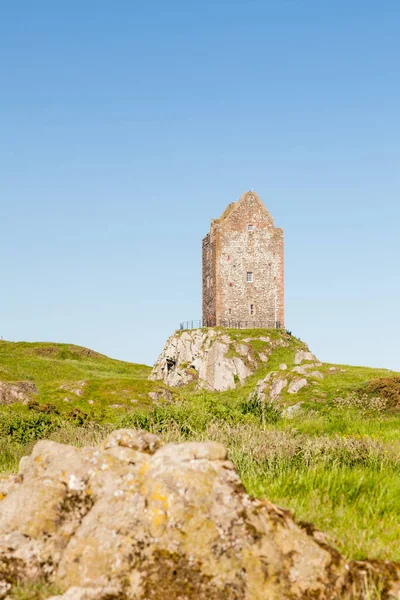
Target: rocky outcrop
133 519
201 356
291 411
77 387
303 355
270 388
297 384
21 391
211 359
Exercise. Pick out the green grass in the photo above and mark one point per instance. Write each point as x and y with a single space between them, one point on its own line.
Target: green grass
49 366
348 486
336 464
33 591
46 362
358 507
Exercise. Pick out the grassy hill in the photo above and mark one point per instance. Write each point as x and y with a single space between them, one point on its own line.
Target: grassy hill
47 363
59 369
80 395
336 463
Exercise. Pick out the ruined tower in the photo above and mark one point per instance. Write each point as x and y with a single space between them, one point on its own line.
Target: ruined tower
243 281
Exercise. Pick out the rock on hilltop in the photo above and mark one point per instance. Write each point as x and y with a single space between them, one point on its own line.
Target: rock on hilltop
215 359
133 519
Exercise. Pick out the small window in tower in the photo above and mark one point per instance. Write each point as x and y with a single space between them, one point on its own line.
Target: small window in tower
252 309
250 227
249 277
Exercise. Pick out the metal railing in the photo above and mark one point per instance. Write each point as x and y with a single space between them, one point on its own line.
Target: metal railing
253 324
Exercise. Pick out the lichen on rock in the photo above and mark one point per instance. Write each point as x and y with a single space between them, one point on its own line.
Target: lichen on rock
135 519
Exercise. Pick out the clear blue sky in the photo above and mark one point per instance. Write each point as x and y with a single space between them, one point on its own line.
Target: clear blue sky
126 126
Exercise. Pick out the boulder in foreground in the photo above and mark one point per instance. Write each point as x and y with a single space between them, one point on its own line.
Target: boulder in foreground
135 519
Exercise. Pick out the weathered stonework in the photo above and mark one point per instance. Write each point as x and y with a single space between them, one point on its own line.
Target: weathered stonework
243 270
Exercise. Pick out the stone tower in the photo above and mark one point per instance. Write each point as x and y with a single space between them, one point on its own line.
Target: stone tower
243 281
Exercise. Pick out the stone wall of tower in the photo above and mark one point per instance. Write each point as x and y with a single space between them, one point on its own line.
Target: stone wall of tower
259 252
209 280
244 240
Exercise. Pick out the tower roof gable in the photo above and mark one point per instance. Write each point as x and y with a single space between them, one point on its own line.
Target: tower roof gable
249 202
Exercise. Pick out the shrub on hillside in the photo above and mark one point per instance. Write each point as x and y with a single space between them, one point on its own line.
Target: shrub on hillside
387 388
78 416
186 418
189 418
49 409
363 402
27 428
377 396
266 412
